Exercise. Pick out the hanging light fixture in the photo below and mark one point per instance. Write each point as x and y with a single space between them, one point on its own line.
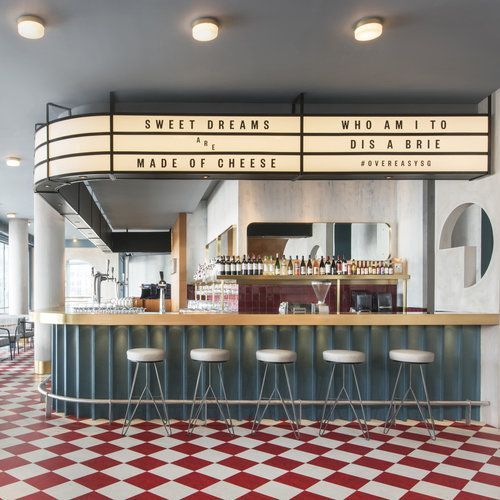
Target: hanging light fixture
31 27
205 29
13 161
368 28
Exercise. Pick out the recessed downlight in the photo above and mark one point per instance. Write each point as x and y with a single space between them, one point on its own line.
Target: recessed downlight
205 29
13 161
11 215
368 28
31 27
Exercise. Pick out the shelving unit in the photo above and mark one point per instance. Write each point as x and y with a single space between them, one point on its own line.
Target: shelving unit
337 279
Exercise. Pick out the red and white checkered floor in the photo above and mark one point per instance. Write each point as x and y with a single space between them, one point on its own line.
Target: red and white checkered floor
64 458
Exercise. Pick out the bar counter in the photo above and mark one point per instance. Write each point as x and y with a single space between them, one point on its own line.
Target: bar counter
61 317
89 357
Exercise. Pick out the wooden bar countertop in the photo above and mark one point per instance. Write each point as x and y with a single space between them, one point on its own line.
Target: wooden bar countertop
60 317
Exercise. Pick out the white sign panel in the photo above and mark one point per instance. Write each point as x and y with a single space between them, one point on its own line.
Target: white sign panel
396 144
206 124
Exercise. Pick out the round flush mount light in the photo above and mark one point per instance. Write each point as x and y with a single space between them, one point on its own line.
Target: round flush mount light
13 161
31 27
205 29
11 215
368 28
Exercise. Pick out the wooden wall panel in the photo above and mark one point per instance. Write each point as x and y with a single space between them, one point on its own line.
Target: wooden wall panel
179 277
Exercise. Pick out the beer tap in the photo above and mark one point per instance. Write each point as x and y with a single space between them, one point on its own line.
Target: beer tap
98 279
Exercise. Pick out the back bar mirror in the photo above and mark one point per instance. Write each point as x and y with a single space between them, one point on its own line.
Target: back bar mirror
356 240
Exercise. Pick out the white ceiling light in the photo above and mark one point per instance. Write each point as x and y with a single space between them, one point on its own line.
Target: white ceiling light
13 161
11 215
368 28
31 27
205 29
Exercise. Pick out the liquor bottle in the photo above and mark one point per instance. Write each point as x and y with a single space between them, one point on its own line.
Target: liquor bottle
309 267
315 266
227 266
250 266
322 267
289 269
349 267
233 266
303 270
277 266
238 266
296 266
354 267
391 268
344 265
283 264
244 268
222 266
328 265
260 266
334 266
338 265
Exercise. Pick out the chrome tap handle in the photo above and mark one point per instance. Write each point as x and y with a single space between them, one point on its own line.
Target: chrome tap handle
107 268
112 273
93 271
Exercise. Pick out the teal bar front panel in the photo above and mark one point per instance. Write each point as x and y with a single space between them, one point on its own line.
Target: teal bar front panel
90 362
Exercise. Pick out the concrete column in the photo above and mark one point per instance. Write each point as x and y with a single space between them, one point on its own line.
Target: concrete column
48 275
18 266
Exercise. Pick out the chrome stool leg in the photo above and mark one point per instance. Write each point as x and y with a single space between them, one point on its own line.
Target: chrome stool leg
146 390
394 409
391 415
202 404
324 421
294 422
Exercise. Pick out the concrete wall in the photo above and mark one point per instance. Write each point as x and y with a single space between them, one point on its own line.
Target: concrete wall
222 209
451 293
409 236
196 238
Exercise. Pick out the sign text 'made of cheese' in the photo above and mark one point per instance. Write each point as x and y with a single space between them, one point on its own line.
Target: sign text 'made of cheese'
264 144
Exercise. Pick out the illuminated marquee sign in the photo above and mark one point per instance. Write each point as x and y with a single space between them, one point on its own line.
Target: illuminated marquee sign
261 145
427 144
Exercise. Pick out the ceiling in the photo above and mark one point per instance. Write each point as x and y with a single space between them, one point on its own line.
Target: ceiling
145 204
431 51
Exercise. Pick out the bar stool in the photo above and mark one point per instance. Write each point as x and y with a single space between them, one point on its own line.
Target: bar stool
410 357
209 357
343 357
146 356
276 357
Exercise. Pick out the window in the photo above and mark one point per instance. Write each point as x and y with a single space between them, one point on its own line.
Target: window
4 277
78 282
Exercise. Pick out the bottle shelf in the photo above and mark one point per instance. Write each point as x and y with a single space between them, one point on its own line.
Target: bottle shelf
355 278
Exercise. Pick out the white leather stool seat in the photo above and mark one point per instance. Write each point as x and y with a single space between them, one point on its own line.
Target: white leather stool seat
145 355
344 356
276 356
411 356
210 355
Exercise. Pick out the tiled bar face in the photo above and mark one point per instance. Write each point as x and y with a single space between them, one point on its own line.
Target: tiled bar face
90 362
265 299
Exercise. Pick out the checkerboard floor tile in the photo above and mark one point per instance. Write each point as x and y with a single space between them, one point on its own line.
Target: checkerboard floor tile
64 458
